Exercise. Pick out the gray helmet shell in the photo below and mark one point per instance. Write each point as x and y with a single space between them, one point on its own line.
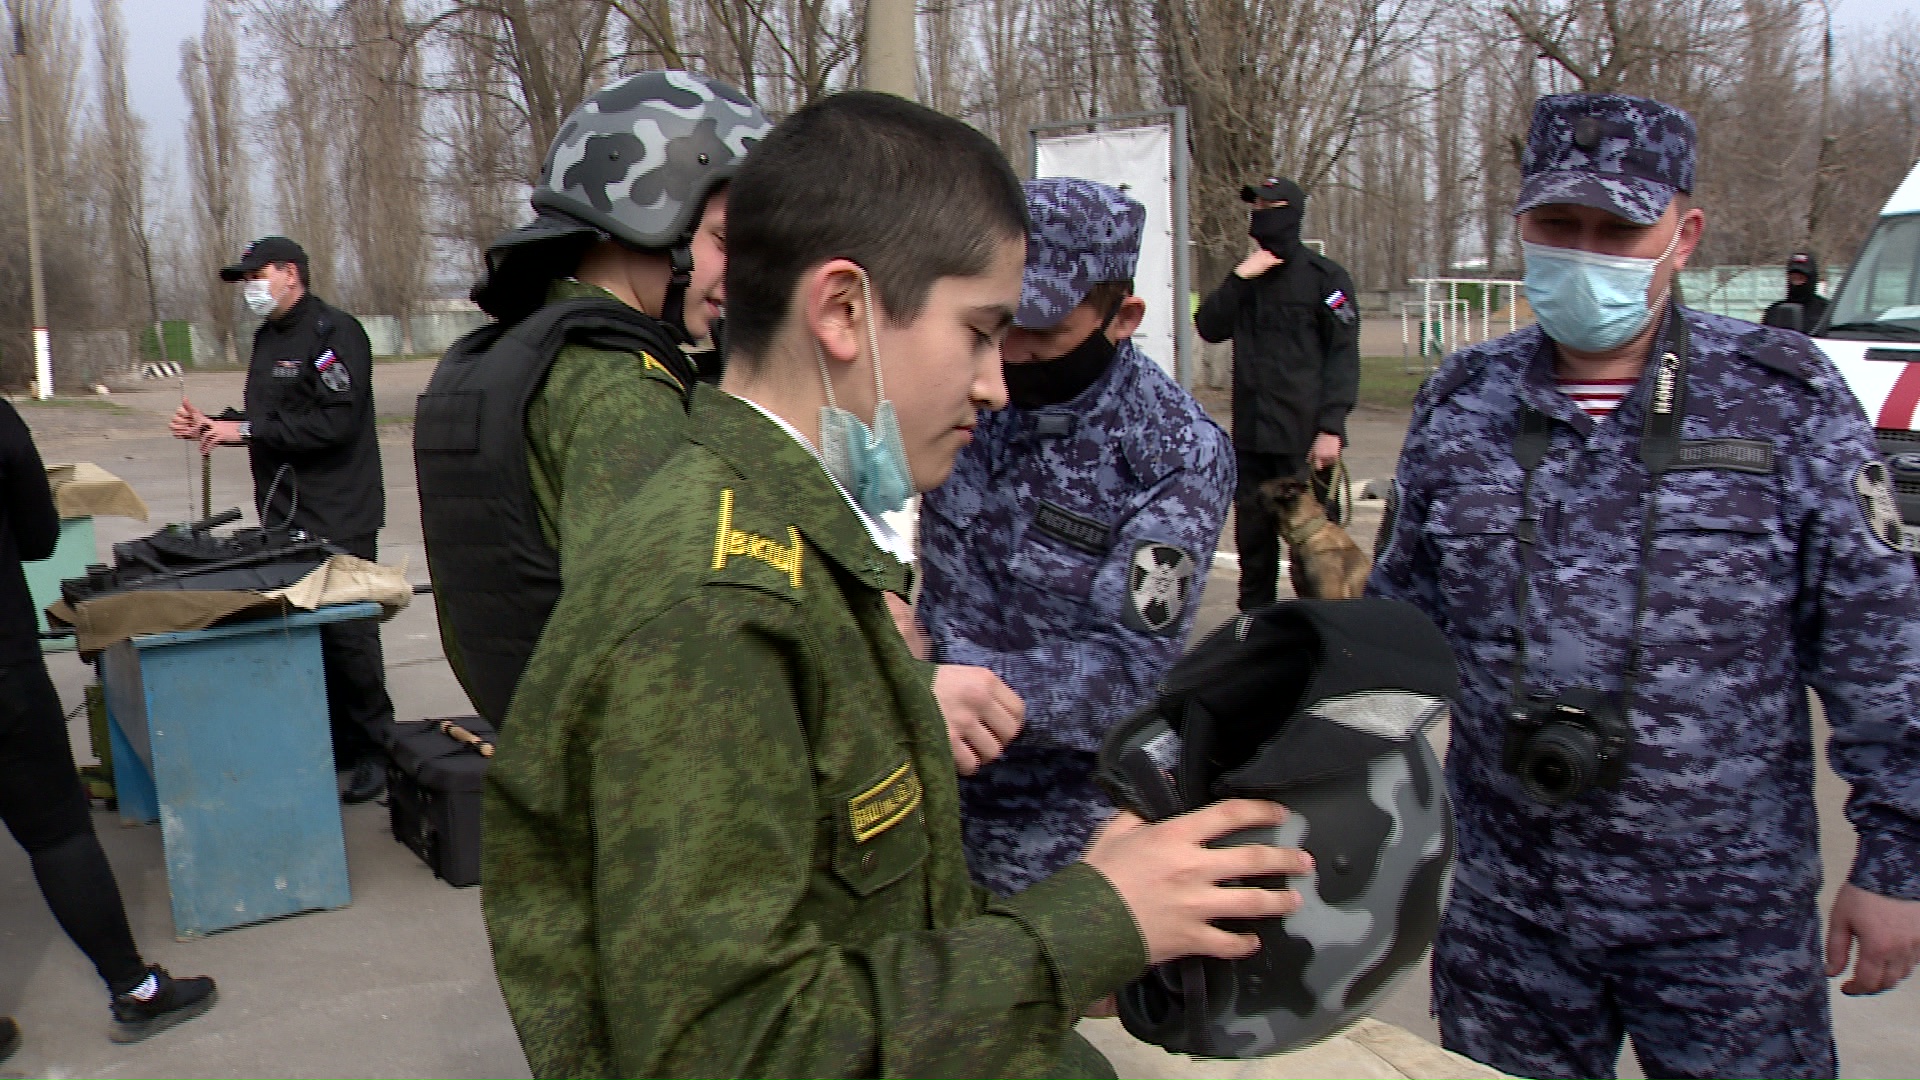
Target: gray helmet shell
1323 707
638 159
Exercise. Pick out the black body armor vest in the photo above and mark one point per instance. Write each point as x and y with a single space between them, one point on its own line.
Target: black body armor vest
495 579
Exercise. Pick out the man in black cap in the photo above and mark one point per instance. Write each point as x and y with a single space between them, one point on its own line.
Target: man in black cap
1296 369
1803 276
309 433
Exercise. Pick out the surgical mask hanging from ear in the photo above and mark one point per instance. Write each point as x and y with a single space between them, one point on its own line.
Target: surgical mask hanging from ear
1589 302
259 296
870 463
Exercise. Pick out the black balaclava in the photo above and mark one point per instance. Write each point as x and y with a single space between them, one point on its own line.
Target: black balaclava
1803 262
1039 383
1278 228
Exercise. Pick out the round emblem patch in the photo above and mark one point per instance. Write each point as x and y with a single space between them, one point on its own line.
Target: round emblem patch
1874 494
1159 583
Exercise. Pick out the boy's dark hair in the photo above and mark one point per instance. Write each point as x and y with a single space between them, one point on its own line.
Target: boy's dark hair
911 195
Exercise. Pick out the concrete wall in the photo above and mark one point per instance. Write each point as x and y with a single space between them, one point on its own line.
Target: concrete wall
433 331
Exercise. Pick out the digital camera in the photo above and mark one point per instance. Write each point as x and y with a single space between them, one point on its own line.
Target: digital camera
1561 747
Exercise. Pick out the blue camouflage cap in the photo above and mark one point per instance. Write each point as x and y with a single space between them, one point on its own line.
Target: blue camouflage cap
1625 155
1079 234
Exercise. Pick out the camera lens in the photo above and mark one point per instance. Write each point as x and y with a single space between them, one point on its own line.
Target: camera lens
1559 762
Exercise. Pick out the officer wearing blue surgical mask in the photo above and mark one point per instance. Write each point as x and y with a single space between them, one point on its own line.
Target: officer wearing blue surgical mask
1595 278
1647 532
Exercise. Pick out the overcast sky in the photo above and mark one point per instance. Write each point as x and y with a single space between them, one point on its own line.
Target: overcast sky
155 29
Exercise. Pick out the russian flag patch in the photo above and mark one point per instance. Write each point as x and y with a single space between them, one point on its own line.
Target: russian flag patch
333 373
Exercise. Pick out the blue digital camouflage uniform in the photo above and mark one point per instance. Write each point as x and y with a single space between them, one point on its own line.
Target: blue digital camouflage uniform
1068 550
1679 905
1759 584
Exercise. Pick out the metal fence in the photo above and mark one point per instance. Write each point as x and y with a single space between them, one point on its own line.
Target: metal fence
1453 313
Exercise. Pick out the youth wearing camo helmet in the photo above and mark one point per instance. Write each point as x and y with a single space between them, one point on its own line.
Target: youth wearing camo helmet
621 267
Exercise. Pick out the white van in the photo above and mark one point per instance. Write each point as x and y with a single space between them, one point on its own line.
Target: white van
1872 332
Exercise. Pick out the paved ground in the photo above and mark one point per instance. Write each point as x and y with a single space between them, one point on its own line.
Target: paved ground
400 983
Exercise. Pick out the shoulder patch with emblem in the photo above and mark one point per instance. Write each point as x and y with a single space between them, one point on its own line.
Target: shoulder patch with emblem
1160 581
1341 305
333 373
730 543
1873 492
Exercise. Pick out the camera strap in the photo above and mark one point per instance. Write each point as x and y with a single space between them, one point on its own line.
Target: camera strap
1659 446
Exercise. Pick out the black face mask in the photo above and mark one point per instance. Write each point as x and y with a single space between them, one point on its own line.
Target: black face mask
1800 294
1277 229
1039 383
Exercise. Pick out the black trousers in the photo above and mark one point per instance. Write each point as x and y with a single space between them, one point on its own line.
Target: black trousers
45 808
1256 528
358 708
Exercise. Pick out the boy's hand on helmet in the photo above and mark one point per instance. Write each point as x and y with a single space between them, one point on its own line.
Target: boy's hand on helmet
1176 886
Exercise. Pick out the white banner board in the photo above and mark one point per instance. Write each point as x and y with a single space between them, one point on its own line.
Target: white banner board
1138 161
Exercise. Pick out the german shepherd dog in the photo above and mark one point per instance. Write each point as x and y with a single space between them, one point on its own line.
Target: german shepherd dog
1325 562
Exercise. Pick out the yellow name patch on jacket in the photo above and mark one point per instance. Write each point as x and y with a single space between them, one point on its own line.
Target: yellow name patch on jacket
885 804
729 542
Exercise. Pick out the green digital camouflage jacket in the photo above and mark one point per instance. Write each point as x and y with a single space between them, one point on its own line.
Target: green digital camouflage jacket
722 831
598 428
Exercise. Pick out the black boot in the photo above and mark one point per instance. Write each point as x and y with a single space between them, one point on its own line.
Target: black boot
366 780
174 1001
9 1037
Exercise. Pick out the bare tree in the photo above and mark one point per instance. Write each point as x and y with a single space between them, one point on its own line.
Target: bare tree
1284 88
123 169
216 162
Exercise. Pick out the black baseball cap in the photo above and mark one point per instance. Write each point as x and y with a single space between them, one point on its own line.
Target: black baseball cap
267 249
1274 189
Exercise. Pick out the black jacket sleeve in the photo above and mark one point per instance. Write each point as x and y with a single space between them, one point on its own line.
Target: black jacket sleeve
1340 366
1221 309
23 485
334 417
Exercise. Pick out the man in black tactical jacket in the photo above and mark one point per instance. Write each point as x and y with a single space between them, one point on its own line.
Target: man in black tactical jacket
310 438
1803 279
1296 369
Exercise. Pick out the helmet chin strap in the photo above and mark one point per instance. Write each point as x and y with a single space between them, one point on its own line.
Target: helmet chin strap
674 312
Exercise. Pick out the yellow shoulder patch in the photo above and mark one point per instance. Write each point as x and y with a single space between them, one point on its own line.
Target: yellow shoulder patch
648 363
885 804
729 542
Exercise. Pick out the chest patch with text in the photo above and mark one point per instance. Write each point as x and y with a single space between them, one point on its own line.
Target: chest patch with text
885 804
1072 529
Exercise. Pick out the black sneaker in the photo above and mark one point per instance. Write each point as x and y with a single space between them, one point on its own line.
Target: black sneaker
176 1001
9 1037
366 780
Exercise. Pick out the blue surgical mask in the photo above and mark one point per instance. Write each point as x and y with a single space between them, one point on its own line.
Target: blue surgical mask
869 463
1589 302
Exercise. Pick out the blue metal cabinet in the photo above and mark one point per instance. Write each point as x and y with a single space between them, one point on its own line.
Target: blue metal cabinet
69 559
221 736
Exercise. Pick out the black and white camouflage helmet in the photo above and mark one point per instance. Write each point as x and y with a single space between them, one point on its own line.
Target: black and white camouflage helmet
1322 706
638 159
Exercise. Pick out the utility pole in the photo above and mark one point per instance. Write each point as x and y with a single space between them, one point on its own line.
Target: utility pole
23 118
1816 204
890 55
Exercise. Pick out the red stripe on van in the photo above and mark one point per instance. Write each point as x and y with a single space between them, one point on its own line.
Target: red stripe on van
1897 412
